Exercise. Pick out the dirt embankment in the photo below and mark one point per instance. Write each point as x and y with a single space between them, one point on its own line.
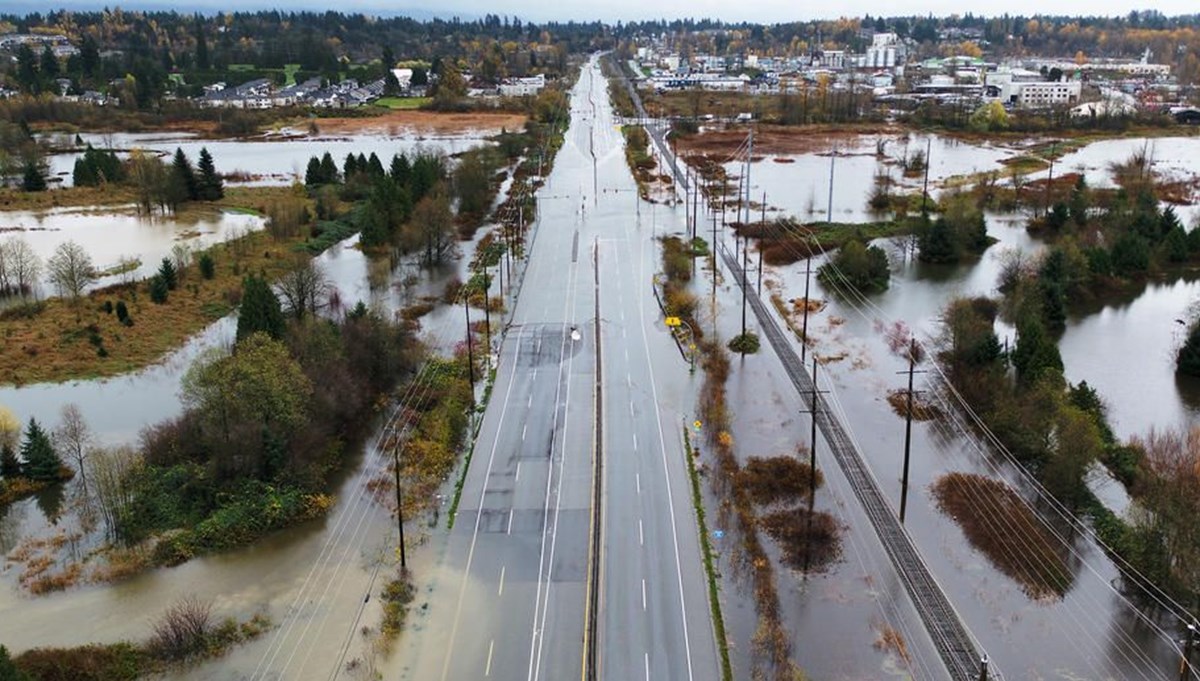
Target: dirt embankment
780 139
422 122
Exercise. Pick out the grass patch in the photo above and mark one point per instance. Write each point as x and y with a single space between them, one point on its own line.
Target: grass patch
126 661
403 103
65 197
786 241
999 523
47 342
714 601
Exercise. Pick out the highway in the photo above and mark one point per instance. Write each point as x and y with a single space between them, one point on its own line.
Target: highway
511 596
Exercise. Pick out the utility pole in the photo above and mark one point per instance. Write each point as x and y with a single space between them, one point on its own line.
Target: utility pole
812 459
760 255
804 329
1049 181
687 199
983 668
487 314
695 203
745 281
749 160
713 251
470 350
908 411
1185 665
925 186
829 206
399 508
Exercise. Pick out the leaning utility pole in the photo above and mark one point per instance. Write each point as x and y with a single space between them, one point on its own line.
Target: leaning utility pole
399 507
470 350
908 412
1185 665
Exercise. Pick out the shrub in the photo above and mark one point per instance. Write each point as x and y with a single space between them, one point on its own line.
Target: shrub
107 307
207 266
182 630
122 311
158 289
745 343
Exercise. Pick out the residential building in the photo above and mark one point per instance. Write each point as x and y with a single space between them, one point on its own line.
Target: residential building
1048 94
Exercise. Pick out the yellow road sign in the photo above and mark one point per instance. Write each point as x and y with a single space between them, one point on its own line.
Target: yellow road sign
672 321
697 424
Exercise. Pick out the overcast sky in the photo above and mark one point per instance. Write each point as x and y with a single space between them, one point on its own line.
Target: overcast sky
764 11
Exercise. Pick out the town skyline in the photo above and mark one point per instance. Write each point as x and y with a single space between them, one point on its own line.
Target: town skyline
761 11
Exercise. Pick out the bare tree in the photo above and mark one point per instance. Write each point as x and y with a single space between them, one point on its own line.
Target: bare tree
19 266
181 257
71 270
432 227
305 289
113 472
183 629
73 440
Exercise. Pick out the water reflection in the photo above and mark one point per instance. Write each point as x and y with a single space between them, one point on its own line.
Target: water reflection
268 162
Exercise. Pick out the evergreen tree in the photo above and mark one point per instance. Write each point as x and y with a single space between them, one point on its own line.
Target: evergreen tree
401 171
329 171
33 180
313 175
201 45
170 277
260 310
1187 361
27 72
49 65
936 243
10 465
9 670
83 175
208 267
374 166
1176 245
210 186
158 289
1036 353
41 461
185 175
350 167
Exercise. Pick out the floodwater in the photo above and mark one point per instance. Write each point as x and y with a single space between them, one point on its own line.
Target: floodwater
1172 158
318 571
268 161
798 184
114 236
835 617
